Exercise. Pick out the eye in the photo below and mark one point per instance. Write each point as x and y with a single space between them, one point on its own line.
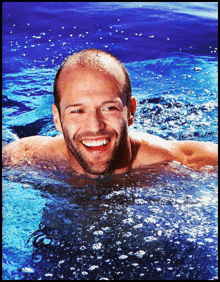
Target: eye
110 108
78 111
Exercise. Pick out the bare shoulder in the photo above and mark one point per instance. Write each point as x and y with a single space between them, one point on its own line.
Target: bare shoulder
154 149
150 148
32 148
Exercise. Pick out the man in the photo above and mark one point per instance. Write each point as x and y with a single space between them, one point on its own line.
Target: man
93 110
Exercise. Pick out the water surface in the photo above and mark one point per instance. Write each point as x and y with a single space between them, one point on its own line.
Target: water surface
151 223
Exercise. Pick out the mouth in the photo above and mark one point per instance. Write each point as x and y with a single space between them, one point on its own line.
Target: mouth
98 144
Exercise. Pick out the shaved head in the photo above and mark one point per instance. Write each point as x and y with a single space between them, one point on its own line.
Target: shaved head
94 59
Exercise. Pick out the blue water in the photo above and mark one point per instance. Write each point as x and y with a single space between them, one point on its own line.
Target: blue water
151 223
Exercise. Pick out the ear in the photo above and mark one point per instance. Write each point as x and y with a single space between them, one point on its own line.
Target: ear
131 111
56 118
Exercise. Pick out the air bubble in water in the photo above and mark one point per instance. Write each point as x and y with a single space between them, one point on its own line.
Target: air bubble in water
97 246
150 239
98 232
123 257
82 248
93 267
128 234
140 201
27 270
46 241
48 274
140 254
140 225
84 273
37 258
128 221
197 69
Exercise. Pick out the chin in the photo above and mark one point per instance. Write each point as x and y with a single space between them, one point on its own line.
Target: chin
98 165
97 171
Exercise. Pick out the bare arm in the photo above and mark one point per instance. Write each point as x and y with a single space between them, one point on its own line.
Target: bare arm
23 150
13 153
195 154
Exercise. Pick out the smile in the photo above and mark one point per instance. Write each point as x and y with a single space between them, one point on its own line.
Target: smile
96 144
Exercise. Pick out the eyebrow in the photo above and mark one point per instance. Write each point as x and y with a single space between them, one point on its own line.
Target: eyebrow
81 104
73 105
110 102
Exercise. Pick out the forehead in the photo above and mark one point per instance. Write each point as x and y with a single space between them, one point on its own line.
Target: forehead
76 82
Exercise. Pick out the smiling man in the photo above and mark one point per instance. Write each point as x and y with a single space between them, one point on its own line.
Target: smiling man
93 110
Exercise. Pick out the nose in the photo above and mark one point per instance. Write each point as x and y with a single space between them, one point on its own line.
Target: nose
95 122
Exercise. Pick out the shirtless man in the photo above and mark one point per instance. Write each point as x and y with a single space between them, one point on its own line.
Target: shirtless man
93 110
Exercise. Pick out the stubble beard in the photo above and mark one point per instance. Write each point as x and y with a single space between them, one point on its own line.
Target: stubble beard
100 167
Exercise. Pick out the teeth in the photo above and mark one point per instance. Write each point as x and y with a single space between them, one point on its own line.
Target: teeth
95 143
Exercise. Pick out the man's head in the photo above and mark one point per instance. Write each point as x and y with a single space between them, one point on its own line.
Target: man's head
97 60
93 108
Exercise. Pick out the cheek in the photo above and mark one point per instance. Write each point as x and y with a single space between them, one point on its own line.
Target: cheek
69 126
118 124
124 119
120 118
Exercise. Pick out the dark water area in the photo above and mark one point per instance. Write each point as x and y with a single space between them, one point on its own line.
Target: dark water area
154 223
